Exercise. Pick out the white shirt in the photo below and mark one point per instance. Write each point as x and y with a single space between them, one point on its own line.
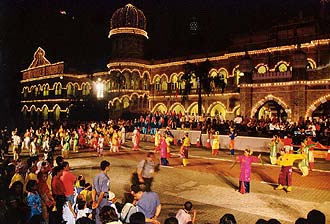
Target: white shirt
183 216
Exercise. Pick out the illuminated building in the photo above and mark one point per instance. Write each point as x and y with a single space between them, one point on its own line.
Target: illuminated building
282 72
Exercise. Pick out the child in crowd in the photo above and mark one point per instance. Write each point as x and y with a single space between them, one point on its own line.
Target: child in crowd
186 214
87 194
82 209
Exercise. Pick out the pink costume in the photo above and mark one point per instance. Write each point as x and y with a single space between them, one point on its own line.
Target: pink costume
245 175
81 134
163 151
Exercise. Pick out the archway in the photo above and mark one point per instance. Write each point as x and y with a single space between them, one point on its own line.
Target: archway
217 109
57 113
45 112
319 108
160 107
271 109
193 109
323 110
177 108
274 106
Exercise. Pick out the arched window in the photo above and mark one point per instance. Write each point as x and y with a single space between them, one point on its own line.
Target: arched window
311 64
58 89
69 89
174 83
45 113
36 91
283 67
125 103
57 113
157 83
46 90
85 89
164 84
237 75
145 83
25 92
262 69
75 89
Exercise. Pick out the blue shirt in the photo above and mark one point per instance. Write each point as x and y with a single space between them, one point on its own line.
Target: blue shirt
148 204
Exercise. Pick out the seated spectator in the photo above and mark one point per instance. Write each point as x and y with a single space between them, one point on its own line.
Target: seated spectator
228 219
171 220
108 215
261 221
273 221
112 202
84 220
82 210
137 218
315 217
87 194
80 184
301 221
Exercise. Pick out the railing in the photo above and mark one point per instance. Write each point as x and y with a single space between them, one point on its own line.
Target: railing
272 75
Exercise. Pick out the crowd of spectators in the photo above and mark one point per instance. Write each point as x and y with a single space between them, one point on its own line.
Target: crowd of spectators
34 191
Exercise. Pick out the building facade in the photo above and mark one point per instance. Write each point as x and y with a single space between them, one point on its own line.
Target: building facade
283 72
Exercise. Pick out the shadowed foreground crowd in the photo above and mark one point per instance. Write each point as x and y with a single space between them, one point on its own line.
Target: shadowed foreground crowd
35 191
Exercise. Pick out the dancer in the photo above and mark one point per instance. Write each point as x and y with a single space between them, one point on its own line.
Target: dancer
16 140
75 141
185 149
273 149
114 142
245 175
305 148
163 150
136 139
157 140
81 134
215 144
286 162
100 145
168 140
232 136
287 144
66 146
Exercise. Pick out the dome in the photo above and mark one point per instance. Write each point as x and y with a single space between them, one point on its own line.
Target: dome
128 19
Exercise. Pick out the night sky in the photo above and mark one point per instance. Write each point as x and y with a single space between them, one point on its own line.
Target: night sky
79 37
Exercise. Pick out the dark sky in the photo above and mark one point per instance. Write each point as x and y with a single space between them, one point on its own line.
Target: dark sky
79 37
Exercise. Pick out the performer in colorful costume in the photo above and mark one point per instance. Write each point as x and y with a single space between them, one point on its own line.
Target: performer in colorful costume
245 175
232 136
215 144
185 149
305 148
286 162
273 149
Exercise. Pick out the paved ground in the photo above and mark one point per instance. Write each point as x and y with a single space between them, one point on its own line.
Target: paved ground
210 183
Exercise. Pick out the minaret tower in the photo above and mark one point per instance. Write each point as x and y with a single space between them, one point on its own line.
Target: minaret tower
128 32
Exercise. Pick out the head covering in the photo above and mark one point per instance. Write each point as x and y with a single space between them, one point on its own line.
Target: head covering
111 195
